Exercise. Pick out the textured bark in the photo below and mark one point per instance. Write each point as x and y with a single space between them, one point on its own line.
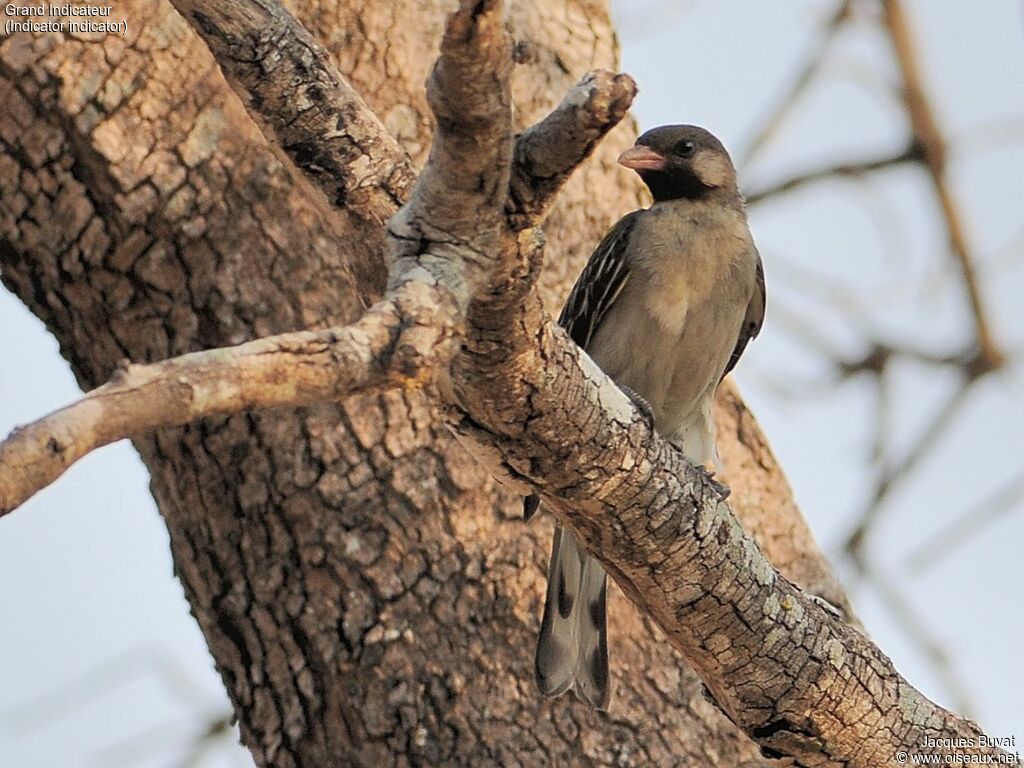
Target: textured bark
368 595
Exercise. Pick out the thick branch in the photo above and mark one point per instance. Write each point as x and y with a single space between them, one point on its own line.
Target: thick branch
452 224
303 104
795 677
404 338
396 343
547 153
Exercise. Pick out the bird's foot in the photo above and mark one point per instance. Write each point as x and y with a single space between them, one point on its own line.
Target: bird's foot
641 403
722 491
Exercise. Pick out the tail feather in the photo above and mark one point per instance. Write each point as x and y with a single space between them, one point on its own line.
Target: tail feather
555 663
530 505
573 643
592 636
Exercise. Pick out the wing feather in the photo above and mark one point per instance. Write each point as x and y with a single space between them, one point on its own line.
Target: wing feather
752 321
600 283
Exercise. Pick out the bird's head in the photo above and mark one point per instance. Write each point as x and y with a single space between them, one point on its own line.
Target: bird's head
681 161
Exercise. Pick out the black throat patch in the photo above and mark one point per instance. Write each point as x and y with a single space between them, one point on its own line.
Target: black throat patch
674 184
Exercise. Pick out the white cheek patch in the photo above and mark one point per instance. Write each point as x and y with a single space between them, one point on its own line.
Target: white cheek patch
712 169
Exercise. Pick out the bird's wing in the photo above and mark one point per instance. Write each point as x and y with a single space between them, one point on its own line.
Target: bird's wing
600 283
752 321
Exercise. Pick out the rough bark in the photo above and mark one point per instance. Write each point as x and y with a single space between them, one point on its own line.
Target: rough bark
365 590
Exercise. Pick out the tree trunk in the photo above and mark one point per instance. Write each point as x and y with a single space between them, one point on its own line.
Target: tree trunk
369 595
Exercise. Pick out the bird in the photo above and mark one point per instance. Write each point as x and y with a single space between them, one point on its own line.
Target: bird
665 306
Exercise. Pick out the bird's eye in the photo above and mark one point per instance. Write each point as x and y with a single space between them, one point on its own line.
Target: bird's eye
684 148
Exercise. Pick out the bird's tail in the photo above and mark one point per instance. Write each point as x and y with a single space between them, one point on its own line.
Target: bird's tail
573 643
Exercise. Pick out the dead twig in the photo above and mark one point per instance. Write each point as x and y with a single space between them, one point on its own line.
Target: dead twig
929 138
910 154
942 543
898 472
806 72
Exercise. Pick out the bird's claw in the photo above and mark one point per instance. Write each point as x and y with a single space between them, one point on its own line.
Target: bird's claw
829 607
641 403
722 491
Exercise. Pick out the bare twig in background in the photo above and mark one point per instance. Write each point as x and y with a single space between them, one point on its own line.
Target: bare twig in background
218 730
927 135
100 680
888 478
986 356
910 154
926 147
183 744
938 547
104 679
811 65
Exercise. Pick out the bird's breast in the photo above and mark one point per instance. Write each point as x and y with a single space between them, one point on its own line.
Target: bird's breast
670 334
694 260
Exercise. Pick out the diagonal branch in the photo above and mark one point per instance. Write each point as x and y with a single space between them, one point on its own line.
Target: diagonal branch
890 477
943 543
929 138
811 65
396 343
303 104
789 672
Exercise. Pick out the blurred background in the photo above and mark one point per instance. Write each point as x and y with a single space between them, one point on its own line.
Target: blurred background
883 158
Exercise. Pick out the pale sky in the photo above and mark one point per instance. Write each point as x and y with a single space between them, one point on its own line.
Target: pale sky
100 663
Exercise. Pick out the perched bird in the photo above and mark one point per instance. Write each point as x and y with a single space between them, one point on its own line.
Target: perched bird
665 306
